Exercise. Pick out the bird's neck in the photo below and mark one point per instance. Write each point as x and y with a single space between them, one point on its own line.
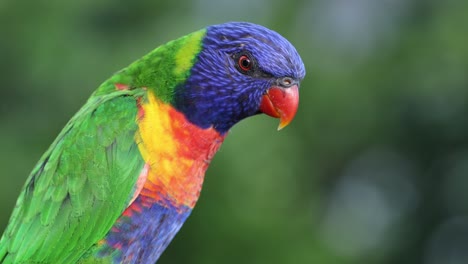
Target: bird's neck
177 154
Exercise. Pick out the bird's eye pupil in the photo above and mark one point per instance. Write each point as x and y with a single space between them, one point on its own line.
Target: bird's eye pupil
245 63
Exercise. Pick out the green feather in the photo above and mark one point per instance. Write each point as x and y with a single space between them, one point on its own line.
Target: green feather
78 189
162 69
87 177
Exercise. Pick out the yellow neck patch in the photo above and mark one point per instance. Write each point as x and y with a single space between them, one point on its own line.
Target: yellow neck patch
185 57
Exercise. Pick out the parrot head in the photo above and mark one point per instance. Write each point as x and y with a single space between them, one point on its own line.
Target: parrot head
243 69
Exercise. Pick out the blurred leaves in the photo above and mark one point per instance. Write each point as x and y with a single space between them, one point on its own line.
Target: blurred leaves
373 169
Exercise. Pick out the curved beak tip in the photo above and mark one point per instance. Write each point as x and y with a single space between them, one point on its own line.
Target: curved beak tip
281 103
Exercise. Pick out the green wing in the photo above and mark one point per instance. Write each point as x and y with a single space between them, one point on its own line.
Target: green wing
80 186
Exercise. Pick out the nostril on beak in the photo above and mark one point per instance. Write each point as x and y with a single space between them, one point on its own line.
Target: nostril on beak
286 82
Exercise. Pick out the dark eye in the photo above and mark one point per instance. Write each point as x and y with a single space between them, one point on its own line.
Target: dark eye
245 64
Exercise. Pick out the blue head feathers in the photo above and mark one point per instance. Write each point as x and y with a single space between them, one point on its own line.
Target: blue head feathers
238 63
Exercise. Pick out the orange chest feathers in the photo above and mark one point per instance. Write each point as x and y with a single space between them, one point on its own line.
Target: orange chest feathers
176 152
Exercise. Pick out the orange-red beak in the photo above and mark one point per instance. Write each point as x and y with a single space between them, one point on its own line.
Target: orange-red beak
281 103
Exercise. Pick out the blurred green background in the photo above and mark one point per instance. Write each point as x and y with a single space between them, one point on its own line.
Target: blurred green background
374 169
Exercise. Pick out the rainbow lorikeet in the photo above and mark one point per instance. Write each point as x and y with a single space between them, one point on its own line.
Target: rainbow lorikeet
126 171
